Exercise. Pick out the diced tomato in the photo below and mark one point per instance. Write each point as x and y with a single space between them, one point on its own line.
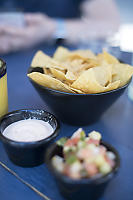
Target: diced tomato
84 154
102 150
91 169
72 142
68 172
92 141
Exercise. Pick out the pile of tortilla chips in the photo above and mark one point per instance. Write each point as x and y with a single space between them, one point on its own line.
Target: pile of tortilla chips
80 71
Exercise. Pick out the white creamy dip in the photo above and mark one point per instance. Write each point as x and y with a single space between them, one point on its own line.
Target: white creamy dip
28 130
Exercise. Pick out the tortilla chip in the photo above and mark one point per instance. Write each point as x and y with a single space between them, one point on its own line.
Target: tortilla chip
77 66
87 83
57 74
40 59
61 54
80 71
103 74
112 86
47 71
108 58
70 77
85 53
122 72
77 91
50 82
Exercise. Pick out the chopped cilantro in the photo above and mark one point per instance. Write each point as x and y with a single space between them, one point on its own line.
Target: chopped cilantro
71 159
82 135
61 141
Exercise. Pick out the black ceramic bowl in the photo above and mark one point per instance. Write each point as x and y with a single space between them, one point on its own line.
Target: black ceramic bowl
83 189
27 154
77 109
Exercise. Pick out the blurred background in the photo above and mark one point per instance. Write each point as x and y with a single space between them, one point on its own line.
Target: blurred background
94 24
126 28
125 8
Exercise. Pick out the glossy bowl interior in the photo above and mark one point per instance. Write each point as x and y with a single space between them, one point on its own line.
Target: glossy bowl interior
76 109
27 154
89 188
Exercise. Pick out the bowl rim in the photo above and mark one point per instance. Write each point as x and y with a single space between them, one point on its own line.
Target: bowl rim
75 94
35 143
85 181
2 68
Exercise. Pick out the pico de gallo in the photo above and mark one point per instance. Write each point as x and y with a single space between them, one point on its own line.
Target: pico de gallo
83 156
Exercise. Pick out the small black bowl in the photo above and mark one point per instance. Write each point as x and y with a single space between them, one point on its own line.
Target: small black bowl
89 188
27 154
77 109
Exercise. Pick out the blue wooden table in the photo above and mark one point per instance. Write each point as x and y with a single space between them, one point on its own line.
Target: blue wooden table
37 183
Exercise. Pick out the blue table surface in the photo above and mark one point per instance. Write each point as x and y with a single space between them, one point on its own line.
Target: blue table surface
37 183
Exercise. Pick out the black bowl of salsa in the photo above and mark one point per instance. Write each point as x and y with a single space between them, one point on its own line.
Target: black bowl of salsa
84 188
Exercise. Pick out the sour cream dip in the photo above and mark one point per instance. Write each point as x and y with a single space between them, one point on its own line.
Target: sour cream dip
29 130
